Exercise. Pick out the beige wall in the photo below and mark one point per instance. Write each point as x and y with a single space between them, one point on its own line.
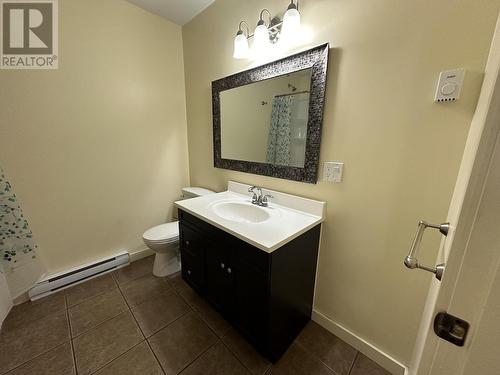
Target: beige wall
97 150
401 150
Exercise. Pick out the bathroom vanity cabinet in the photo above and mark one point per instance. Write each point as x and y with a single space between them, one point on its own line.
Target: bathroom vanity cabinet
267 296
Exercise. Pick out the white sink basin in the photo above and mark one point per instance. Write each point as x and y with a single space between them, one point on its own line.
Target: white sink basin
241 212
267 228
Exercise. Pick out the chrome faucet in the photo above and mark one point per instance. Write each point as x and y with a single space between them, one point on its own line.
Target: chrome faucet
258 198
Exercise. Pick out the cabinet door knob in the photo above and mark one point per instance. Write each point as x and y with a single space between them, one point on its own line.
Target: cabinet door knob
189 272
222 265
229 270
188 243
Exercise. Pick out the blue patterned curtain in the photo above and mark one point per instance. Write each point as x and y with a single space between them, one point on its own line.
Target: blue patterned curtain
278 142
19 262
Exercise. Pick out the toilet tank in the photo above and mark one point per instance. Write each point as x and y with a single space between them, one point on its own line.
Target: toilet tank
193 192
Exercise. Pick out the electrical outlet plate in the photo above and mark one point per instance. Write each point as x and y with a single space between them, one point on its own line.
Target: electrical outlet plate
332 171
449 85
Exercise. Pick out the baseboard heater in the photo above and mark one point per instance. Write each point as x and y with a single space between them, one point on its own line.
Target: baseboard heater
55 283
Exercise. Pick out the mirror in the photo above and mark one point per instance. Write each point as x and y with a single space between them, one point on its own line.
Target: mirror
267 120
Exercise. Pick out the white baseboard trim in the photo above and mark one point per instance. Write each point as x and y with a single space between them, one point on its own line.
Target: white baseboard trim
140 253
358 343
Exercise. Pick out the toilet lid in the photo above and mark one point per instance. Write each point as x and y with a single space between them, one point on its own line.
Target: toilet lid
163 232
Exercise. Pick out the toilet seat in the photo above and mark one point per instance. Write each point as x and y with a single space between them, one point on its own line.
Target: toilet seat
163 233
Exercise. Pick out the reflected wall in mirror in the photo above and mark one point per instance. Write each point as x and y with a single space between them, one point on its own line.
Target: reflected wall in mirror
267 120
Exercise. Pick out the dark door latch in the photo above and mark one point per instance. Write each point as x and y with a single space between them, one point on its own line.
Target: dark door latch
451 328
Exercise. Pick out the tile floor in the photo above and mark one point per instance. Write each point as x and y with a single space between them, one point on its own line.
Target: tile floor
130 322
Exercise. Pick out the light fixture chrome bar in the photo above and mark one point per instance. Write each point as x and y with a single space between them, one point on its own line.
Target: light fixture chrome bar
273 29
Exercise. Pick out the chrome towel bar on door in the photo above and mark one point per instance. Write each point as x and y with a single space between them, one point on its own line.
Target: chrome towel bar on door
411 260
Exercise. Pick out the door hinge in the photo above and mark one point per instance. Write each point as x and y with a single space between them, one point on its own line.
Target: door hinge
451 328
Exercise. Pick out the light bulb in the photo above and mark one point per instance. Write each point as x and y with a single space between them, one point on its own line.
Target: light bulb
291 22
241 50
261 37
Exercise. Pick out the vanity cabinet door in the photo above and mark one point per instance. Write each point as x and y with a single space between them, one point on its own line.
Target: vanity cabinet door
193 257
252 302
220 273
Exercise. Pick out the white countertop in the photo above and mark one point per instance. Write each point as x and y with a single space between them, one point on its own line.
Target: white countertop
289 219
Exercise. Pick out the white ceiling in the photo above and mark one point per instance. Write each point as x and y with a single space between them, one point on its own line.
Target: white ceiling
177 11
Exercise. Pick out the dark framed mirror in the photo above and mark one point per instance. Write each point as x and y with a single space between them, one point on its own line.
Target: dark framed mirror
267 120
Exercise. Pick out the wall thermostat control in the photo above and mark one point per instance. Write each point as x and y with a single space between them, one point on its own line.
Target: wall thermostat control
449 85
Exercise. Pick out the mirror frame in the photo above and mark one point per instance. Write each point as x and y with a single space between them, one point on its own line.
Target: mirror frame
315 58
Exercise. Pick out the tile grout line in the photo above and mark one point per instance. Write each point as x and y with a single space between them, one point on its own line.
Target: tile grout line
236 356
202 353
158 330
71 336
40 317
93 296
64 291
140 329
219 338
131 313
100 324
66 309
199 315
35 357
134 278
195 311
105 320
114 359
154 355
353 362
314 356
49 349
169 324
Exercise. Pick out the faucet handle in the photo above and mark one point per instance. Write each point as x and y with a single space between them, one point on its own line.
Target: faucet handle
264 199
254 197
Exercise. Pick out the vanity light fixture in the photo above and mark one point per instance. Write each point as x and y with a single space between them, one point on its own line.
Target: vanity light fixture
267 34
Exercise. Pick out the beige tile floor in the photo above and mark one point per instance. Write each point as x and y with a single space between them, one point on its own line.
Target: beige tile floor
130 322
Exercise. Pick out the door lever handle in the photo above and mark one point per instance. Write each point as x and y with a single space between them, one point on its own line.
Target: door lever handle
411 260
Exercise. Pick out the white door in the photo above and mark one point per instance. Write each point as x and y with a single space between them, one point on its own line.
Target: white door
470 287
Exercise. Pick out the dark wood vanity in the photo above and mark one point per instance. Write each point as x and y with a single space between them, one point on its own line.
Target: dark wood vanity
268 297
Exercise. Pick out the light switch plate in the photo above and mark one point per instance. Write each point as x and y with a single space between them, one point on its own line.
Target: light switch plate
333 171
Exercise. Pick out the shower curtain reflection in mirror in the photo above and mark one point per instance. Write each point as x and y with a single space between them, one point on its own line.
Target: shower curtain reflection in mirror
266 121
287 132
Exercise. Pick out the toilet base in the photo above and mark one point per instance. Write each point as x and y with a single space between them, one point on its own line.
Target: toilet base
165 264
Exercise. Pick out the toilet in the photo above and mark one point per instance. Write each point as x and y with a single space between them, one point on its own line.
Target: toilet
163 239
